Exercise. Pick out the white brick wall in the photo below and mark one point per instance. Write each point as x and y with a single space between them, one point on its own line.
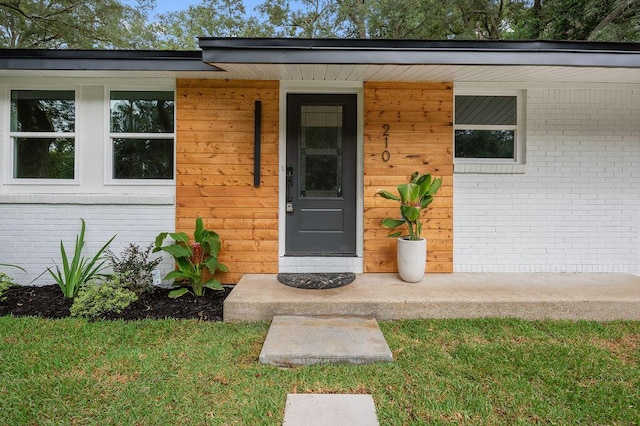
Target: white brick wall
576 207
32 233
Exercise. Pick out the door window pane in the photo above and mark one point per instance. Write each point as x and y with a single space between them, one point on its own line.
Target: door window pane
321 151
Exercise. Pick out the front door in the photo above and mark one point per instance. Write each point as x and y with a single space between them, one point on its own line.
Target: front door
321 175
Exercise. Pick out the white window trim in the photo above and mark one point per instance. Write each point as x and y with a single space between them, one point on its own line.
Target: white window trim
494 165
10 149
108 145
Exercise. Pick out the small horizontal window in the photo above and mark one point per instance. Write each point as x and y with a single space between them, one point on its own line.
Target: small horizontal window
43 134
485 144
142 139
487 128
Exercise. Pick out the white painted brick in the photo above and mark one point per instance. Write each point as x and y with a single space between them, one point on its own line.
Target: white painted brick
35 231
577 206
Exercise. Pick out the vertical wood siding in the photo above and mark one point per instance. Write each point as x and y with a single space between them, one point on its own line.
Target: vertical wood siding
420 119
215 138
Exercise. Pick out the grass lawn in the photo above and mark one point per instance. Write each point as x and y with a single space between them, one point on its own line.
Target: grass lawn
446 371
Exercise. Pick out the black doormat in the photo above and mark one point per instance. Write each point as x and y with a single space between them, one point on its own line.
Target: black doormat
317 281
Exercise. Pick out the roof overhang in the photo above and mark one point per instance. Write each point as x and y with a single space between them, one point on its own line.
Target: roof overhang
348 60
412 52
413 60
100 62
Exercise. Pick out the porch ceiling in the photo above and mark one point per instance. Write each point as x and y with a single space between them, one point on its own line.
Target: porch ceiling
416 73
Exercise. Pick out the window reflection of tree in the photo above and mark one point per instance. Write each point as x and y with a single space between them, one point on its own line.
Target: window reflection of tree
136 114
485 144
48 157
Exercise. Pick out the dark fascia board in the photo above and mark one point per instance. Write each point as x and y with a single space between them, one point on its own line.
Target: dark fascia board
102 60
418 52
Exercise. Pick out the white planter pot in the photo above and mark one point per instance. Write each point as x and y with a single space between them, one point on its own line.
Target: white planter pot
412 259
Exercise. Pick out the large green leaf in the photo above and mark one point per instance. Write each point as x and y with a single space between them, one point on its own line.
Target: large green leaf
411 213
174 294
426 200
435 186
213 284
175 275
409 193
180 237
197 234
159 240
387 195
176 250
392 223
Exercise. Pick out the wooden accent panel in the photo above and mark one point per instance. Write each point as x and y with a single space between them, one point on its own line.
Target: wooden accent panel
420 116
215 170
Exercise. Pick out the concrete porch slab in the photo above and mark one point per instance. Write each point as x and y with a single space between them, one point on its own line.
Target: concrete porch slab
601 297
329 410
302 340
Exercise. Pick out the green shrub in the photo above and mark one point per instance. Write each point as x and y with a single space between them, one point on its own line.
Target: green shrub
96 299
134 268
5 282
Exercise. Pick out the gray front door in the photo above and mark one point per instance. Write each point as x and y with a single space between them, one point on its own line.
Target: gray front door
321 175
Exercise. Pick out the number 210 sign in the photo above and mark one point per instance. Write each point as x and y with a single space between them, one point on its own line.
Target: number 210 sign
386 155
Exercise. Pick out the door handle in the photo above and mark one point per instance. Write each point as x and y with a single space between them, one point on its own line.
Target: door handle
289 207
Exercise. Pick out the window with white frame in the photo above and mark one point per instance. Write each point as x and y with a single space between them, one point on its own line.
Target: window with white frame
487 128
142 135
42 131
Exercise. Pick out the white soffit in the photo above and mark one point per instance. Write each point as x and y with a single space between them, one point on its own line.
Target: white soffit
416 73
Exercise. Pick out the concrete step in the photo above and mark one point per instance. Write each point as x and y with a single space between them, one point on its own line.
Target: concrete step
329 410
601 297
304 340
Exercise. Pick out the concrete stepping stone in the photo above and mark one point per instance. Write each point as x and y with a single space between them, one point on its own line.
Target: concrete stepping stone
329 410
305 340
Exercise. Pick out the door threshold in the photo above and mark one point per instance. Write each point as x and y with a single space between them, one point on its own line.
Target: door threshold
300 264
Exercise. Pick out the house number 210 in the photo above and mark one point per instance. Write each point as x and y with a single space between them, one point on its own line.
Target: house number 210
386 155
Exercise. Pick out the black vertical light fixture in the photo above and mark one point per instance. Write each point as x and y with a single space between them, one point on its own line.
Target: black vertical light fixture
256 142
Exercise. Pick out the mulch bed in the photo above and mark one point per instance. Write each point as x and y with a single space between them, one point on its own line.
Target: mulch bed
48 302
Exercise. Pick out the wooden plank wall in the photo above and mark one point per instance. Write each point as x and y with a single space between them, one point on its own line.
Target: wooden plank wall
215 138
420 119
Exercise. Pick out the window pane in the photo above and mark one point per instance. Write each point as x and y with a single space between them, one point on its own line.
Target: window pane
143 158
44 158
321 151
142 112
43 111
485 144
486 110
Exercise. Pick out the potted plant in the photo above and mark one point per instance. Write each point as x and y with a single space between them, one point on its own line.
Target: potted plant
414 197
